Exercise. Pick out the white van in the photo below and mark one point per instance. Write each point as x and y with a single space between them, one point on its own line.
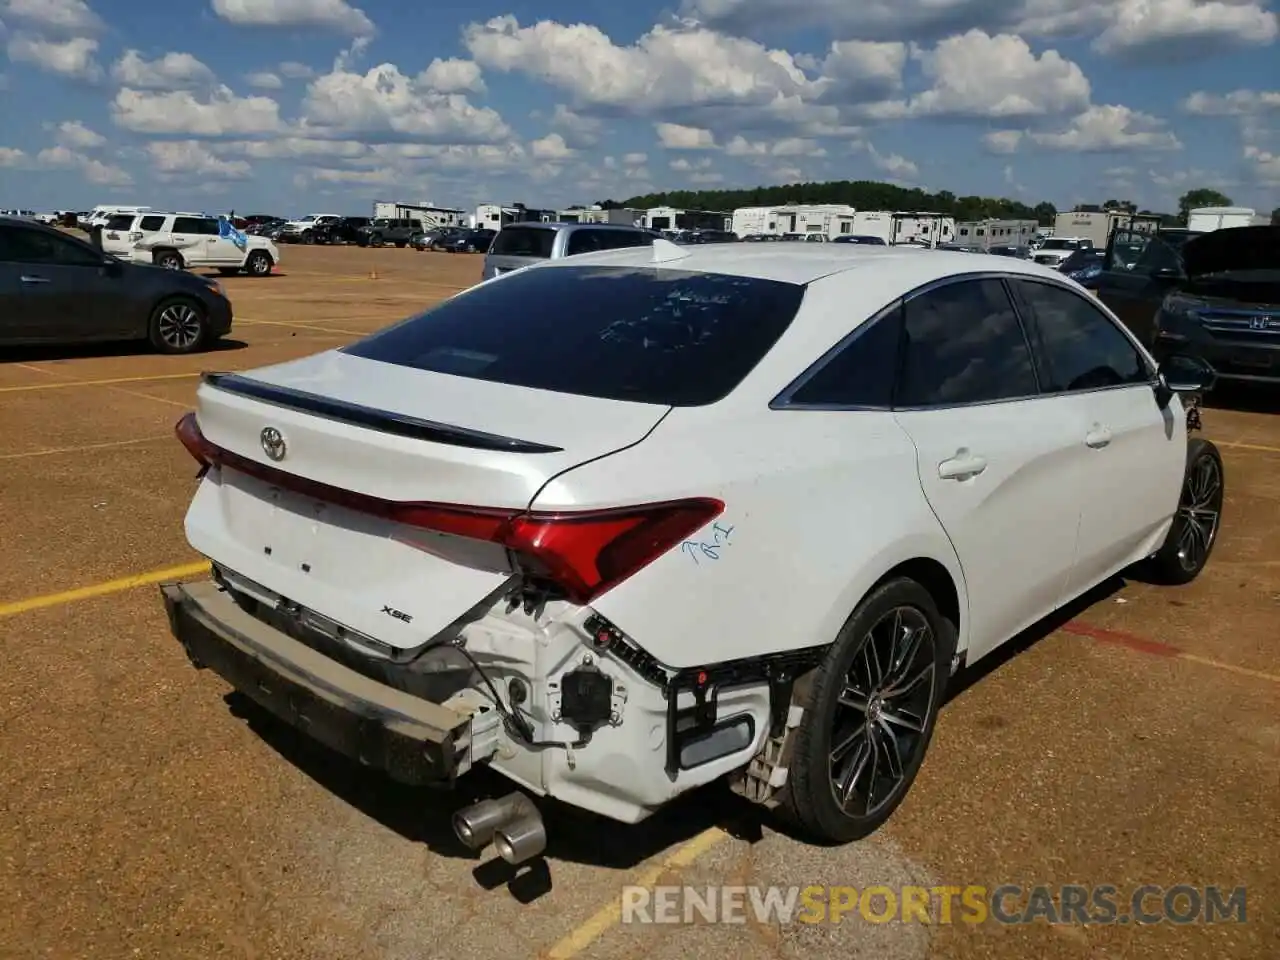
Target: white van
99 215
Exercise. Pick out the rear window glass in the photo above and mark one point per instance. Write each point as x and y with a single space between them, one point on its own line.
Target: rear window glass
639 334
121 221
150 224
524 242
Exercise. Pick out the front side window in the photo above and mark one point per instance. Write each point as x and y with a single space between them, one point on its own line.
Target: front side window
638 334
1079 346
963 344
37 247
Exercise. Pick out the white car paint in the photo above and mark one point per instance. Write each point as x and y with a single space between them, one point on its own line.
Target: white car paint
818 506
206 248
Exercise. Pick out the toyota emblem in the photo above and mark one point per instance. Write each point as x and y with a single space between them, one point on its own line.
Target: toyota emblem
273 444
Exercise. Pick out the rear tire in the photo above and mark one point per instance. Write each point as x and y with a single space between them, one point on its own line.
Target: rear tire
259 264
871 714
308 238
1194 533
177 326
399 244
169 259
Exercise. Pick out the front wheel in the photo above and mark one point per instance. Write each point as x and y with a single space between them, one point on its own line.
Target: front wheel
178 326
308 238
874 702
1191 538
259 263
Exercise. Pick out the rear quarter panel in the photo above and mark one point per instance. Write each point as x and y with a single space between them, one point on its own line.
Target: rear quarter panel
819 506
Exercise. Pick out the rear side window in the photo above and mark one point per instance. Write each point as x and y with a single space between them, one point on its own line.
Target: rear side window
963 344
150 224
200 225
861 373
524 242
590 241
639 334
121 221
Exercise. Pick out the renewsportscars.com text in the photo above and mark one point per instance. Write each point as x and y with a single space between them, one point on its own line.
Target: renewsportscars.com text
971 904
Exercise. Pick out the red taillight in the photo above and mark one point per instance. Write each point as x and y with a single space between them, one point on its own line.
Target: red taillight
584 553
587 553
188 431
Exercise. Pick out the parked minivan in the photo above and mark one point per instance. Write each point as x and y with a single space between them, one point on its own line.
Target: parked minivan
521 244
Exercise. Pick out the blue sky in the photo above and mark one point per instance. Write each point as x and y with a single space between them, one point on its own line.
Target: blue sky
294 106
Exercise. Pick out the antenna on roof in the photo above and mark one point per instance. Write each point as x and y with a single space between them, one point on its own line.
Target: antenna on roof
664 251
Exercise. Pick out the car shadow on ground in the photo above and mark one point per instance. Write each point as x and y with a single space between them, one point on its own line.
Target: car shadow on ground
425 816
129 348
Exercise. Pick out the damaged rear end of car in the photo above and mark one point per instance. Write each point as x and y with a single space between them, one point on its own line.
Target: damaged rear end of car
405 567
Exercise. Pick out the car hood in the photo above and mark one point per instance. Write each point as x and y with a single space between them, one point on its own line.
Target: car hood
1232 248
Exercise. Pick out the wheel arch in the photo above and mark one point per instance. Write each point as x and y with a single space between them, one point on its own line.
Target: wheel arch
928 560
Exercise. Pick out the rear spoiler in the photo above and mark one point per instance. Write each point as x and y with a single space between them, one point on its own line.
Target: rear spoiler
383 421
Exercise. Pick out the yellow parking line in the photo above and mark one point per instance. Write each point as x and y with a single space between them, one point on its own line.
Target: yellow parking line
59 384
102 589
609 916
1229 667
1248 446
299 325
84 448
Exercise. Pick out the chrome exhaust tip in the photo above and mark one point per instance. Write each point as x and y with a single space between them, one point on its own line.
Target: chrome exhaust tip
477 824
522 839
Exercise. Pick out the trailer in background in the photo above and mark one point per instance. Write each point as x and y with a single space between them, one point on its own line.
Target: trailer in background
1208 219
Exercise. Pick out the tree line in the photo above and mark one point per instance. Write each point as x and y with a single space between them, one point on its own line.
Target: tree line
872 195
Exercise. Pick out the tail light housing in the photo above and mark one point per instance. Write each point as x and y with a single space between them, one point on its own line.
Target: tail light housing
584 553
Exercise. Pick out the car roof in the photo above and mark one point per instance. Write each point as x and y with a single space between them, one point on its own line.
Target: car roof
805 263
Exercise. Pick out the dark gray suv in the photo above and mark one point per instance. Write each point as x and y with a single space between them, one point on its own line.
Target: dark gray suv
521 244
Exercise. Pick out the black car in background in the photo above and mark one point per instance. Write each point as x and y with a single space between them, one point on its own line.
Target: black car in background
468 241
342 230
1215 295
55 288
861 239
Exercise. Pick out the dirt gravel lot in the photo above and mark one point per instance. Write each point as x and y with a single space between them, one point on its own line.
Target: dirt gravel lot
144 812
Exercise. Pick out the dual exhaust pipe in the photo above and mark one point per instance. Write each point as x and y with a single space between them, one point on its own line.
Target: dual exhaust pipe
511 823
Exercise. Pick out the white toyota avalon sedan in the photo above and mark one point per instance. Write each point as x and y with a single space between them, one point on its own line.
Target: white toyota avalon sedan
621 524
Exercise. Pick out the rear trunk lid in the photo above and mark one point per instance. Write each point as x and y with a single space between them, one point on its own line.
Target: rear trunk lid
388 435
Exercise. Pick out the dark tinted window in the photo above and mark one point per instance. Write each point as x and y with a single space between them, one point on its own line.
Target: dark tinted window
1081 348
588 241
524 242
624 333
151 224
862 373
963 344
200 225
121 221
37 246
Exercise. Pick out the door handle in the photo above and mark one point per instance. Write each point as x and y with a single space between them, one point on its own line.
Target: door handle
961 467
30 279
1098 437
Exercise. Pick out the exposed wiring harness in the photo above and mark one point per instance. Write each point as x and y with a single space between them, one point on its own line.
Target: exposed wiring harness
515 723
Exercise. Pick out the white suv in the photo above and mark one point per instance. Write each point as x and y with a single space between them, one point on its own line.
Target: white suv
187 240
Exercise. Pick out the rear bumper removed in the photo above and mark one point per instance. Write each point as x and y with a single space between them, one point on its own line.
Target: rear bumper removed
411 740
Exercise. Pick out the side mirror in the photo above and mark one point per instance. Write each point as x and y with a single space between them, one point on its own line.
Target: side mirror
1183 373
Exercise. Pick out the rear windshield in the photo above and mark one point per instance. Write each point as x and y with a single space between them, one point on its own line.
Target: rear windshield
524 242
640 334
